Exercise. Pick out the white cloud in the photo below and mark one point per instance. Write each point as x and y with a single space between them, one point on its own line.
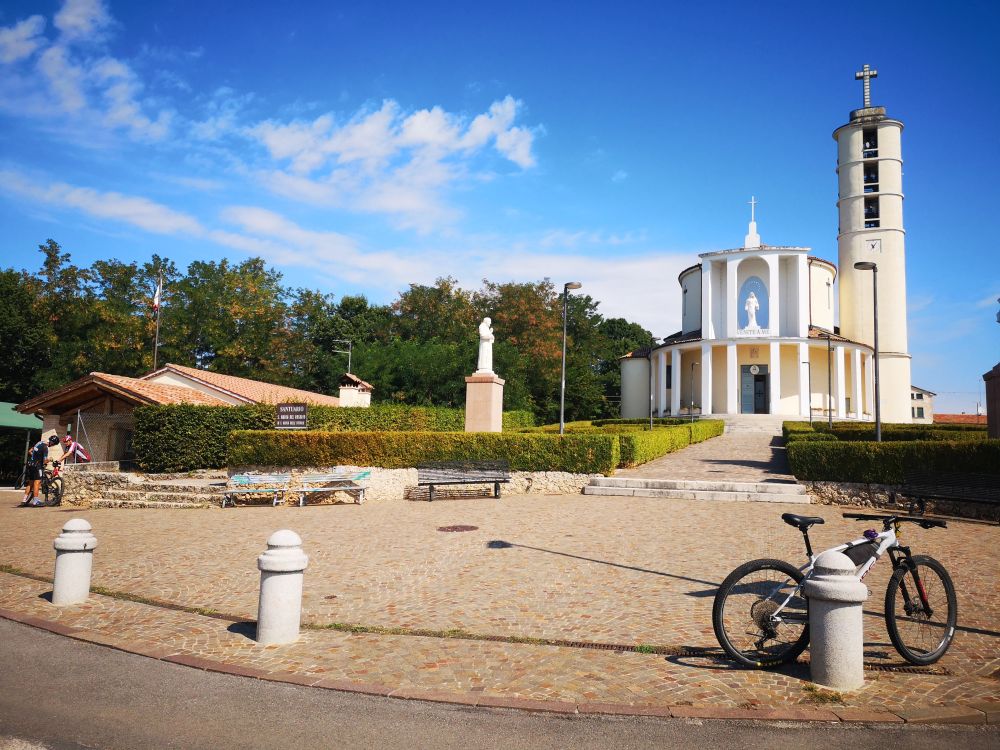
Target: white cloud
20 41
65 80
136 211
82 19
620 176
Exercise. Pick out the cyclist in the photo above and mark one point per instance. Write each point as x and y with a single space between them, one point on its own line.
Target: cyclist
72 449
33 476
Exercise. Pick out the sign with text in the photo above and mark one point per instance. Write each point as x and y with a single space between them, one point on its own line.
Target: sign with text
291 417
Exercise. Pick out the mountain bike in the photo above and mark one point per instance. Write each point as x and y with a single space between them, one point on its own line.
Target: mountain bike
761 616
52 485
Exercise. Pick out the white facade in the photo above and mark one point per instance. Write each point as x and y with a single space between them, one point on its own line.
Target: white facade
758 330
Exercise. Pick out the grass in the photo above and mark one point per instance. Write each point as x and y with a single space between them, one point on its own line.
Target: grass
822 696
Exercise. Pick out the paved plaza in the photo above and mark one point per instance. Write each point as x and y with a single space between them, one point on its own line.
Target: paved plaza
595 574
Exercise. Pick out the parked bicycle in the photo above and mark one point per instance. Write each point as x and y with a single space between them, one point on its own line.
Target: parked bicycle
761 616
52 484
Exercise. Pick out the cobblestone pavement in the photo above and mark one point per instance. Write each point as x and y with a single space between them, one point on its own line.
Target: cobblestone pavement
601 570
733 457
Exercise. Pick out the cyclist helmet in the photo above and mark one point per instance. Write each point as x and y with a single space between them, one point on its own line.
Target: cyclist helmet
67 439
53 439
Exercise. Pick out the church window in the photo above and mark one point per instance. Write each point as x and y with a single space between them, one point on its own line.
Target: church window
871 178
829 295
871 213
870 138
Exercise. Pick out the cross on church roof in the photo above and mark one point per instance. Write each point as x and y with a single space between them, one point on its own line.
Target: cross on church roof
867 73
753 203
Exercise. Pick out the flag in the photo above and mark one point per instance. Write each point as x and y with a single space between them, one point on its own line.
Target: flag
156 296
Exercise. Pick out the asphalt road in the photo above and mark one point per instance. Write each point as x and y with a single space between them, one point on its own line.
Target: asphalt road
59 693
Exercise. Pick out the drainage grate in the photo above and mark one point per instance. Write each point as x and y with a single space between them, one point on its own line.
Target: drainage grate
458 528
908 669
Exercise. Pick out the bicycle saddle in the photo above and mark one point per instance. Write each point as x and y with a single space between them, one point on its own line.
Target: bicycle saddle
802 523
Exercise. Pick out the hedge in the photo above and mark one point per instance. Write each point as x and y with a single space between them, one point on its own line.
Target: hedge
813 437
641 421
640 447
886 463
893 434
581 454
182 437
704 429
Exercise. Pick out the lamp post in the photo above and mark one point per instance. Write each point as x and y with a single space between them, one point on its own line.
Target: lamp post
809 369
873 267
562 387
691 410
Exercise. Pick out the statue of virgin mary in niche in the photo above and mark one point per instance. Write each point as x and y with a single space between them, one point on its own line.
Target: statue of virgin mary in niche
752 306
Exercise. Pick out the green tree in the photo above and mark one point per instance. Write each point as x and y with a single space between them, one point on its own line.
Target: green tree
26 336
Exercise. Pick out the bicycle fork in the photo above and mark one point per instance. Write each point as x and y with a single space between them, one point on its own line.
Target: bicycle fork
904 559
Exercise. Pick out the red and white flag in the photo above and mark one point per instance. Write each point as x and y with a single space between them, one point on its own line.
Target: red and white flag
156 296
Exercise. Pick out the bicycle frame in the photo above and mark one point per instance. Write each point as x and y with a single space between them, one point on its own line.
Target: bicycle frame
887 541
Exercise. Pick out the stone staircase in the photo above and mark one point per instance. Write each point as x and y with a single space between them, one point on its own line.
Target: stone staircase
124 490
679 489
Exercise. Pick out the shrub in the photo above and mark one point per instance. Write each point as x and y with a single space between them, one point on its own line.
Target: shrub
810 437
640 447
642 421
886 463
787 428
582 454
182 437
895 433
704 429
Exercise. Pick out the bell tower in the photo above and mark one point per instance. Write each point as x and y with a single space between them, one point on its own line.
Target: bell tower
870 206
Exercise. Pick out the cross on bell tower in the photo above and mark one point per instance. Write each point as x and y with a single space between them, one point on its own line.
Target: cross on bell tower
867 73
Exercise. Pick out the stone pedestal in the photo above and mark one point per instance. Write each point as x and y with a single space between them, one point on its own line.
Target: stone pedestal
484 402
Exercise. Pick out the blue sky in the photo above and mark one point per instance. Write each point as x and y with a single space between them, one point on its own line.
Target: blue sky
359 147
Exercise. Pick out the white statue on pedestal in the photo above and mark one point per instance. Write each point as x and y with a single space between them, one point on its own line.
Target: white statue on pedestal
485 347
751 306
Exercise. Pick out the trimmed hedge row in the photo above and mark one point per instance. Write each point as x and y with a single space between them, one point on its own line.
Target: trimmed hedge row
810 437
639 447
886 463
642 421
581 454
182 437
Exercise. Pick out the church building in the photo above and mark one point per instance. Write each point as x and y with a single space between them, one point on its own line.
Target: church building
758 333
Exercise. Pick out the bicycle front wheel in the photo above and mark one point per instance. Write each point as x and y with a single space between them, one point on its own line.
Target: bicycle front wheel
53 490
921 610
760 616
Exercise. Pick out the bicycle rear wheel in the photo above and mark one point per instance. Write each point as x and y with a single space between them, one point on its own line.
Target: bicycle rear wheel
53 490
746 615
921 627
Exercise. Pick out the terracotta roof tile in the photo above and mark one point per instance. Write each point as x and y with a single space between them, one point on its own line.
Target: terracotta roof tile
960 419
161 393
251 390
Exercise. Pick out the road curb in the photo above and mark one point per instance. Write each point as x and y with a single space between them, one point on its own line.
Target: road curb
979 713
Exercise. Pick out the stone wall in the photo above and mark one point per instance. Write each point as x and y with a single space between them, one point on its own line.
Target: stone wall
890 498
79 487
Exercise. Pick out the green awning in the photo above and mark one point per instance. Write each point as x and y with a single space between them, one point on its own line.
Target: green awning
11 418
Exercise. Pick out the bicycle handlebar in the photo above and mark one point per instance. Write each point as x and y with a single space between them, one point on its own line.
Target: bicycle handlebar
925 523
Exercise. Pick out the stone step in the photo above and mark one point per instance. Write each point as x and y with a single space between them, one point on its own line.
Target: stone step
178 498
201 488
701 495
147 504
780 488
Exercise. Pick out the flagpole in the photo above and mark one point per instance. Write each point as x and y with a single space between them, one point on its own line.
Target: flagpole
159 304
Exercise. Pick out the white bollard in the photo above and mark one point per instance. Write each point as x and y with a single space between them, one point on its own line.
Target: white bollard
836 631
281 572
74 563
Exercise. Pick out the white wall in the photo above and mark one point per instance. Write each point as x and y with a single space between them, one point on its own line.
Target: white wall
635 388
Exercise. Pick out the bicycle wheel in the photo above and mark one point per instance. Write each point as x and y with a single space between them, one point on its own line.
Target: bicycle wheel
743 609
53 490
921 634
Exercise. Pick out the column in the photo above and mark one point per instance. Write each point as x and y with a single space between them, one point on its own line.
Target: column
675 382
774 372
706 378
856 383
706 301
732 381
804 312
805 398
730 301
773 295
839 381
870 368
661 396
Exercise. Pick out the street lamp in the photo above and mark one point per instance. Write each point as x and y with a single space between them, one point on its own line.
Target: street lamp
873 267
562 388
809 369
691 410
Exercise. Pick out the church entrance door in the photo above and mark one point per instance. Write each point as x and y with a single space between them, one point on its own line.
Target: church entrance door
754 390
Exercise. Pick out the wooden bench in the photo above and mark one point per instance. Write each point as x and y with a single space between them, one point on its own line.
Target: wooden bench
275 485
462 472
352 482
920 486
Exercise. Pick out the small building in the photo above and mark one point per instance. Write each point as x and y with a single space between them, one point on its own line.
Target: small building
354 391
922 405
97 408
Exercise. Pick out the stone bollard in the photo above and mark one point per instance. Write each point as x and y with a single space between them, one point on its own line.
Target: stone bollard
74 563
281 572
836 632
